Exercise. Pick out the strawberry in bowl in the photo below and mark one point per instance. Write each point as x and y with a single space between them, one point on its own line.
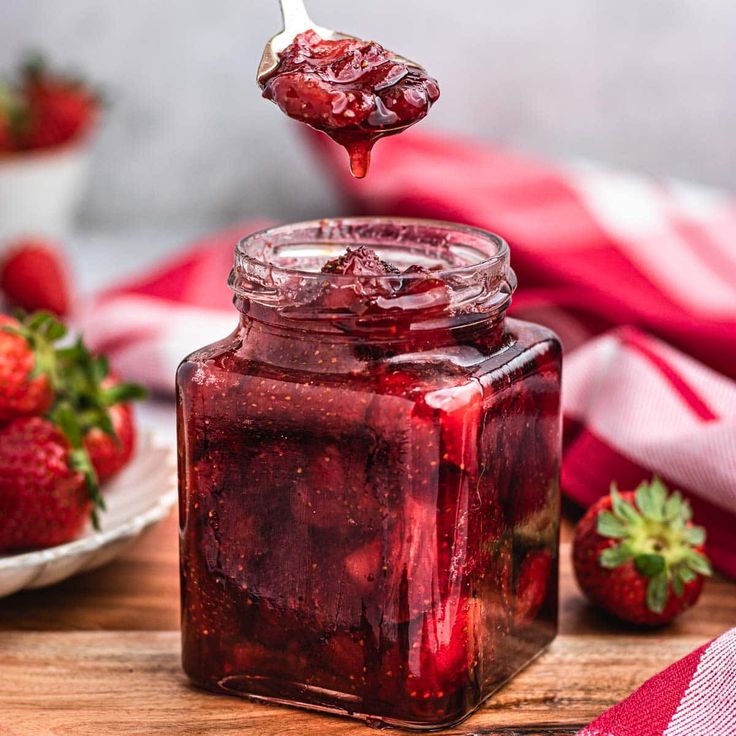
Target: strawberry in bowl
638 556
46 121
66 427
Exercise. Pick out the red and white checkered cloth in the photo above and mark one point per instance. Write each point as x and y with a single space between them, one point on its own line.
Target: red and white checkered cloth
695 696
637 276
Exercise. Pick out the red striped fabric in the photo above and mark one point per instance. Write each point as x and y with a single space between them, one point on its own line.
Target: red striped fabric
696 696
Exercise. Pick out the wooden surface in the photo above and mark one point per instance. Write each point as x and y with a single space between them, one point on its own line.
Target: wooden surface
100 653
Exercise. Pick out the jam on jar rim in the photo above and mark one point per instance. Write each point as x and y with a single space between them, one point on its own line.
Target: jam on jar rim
279 267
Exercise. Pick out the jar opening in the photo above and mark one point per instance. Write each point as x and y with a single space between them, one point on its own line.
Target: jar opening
280 267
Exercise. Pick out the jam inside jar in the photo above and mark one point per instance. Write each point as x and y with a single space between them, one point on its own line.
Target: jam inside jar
369 476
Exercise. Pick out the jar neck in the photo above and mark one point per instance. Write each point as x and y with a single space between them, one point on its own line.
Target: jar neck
339 348
438 281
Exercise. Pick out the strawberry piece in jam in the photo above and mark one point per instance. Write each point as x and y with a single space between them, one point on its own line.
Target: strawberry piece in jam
355 91
360 261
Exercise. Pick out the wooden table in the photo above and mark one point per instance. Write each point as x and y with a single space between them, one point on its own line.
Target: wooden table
99 654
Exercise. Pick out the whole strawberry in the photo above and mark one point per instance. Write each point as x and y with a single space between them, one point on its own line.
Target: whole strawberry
44 499
638 556
58 108
27 365
33 276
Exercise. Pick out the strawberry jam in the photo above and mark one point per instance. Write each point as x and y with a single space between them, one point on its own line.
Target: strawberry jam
355 91
369 475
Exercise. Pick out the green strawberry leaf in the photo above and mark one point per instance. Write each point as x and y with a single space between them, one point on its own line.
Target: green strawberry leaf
650 565
657 592
678 585
694 535
687 511
121 393
673 506
63 416
614 556
622 509
698 563
607 525
685 573
651 498
100 368
54 330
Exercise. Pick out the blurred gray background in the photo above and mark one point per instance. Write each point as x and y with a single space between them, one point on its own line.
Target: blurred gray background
188 144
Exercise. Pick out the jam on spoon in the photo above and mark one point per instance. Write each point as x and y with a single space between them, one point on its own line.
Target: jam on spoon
355 91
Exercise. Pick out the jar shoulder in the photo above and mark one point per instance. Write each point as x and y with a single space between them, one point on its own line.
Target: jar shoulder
214 351
526 348
527 343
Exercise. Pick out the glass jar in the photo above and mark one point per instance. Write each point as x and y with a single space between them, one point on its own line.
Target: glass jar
369 477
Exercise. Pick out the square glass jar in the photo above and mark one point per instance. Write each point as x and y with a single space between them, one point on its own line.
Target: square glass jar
369 477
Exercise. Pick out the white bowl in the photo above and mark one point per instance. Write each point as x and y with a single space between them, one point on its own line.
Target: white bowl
143 494
40 190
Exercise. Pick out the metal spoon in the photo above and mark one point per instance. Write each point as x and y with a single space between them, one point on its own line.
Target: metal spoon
296 21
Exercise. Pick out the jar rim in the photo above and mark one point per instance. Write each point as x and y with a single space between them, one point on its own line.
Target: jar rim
246 249
280 266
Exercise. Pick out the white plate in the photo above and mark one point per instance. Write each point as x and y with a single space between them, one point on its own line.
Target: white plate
143 494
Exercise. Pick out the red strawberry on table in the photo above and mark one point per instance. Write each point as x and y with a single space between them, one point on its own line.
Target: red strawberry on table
33 276
638 556
27 365
44 499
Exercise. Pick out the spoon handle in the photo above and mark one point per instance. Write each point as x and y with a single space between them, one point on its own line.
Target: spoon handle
296 18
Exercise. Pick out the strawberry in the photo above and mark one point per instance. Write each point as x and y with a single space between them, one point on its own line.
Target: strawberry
445 650
638 556
27 365
532 585
363 565
33 276
360 261
43 498
461 419
100 403
59 108
110 453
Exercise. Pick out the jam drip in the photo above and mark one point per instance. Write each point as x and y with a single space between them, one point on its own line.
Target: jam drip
355 91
